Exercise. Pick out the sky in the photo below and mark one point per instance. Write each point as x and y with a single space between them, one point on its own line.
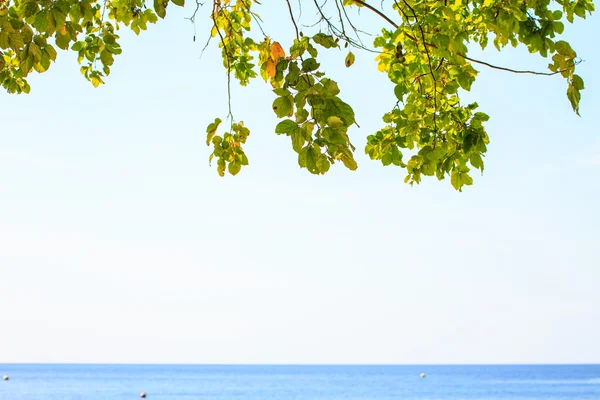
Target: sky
120 244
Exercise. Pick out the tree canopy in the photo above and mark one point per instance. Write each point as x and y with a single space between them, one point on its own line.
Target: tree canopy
421 45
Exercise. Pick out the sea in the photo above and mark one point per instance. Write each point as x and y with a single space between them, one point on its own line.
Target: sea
300 382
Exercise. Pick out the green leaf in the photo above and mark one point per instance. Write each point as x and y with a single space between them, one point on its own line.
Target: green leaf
400 90
579 10
335 121
574 96
349 59
330 86
51 52
221 167
30 8
179 3
476 161
297 139
109 39
323 164
159 8
35 52
460 179
559 27
26 34
281 92
286 126
4 44
77 46
50 21
283 106
234 167
16 41
578 82
386 159
106 58
301 115
347 159
40 40
428 168
309 65
40 22
211 129
311 160
349 162
62 41
564 49
75 12
308 128
60 17
244 159
45 61
302 157
345 112
324 40
113 49
334 136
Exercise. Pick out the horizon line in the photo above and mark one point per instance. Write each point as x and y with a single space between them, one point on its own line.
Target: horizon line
302 364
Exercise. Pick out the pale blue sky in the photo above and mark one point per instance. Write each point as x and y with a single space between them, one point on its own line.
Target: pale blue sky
118 243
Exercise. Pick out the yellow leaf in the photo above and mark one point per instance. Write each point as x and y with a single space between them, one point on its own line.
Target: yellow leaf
277 51
380 64
271 67
63 30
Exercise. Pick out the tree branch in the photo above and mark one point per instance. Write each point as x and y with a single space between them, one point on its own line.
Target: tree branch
376 11
216 10
342 35
515 71
428 62
414 39
293 19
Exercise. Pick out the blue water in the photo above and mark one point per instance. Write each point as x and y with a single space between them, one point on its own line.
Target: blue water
173 382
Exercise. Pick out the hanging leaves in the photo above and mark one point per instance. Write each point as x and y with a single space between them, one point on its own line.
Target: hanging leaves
228 148
422 49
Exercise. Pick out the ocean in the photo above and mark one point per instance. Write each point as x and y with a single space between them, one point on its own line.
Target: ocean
254 382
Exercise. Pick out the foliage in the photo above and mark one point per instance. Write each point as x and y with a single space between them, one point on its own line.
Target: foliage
422 47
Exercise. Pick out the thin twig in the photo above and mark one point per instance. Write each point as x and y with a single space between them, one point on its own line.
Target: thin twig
516 71
354 28
227 57
205 45
340 16
429 62
193 17
258 22
376 11
293 19
414 39
403 13
335 31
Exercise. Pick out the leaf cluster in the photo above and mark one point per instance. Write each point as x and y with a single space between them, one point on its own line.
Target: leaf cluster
422 47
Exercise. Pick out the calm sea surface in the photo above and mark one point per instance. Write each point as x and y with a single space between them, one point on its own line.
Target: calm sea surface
161 382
